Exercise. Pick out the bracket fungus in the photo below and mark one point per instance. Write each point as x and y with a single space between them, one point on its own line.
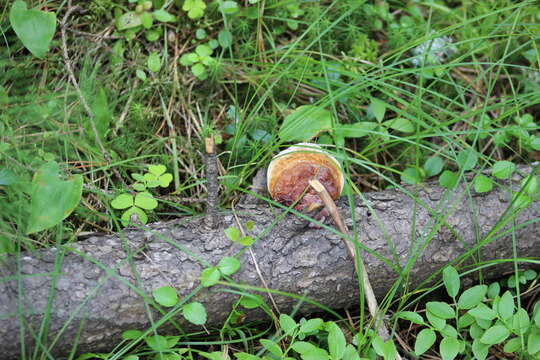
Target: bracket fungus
290 171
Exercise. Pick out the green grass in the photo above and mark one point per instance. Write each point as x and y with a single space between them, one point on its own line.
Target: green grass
347 57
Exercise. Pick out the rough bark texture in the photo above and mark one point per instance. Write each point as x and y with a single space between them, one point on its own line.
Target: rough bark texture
101 290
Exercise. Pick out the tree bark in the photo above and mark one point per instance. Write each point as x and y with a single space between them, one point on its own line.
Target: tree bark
97 287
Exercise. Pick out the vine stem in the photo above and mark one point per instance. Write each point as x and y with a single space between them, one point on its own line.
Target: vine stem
327 200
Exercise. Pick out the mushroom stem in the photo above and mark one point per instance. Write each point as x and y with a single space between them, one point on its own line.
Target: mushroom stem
382 331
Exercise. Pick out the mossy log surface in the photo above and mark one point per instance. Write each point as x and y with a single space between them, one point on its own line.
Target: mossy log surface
97 287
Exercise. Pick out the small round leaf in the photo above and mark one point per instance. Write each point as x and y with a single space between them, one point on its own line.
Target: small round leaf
210 276
145 200
122 201
195 313
228 265
166 296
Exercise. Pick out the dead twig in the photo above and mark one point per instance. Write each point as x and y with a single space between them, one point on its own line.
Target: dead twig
212 184
368 290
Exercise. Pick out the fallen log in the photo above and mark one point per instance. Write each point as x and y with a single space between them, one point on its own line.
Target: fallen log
95 289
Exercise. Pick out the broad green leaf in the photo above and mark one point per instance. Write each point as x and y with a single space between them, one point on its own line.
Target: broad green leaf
131 334
533 341
132 211
251 301
151 180
138 177
449 331
246 241
157 342
472 297
33 27
225 38
228 265
389 350
194 8
195 313
166 296
351 353
377 108
233 233
536 314
203 50
164 16
157 170
482 311
482 183
152 35
530 274
503 169
52 199
412 175
437 322
309 351
451 281
440 309
512 345
229 7
305 123
424 341
200 34
520 322
272 347
356 130
165 180
400 124
128 20
479 349
495 335
433 166
147 20
145 200
493 290
311 325
467 159
505 308
172 341
210 276
246 356
336 341
476 331
412 317
484 324
465 321
122 201
287 323
154 62
448 179
449 348
189 59
215 355
199 71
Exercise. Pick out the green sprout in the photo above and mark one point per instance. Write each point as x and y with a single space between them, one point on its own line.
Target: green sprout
199 60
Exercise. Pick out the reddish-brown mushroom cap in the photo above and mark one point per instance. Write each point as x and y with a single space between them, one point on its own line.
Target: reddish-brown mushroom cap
289 173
